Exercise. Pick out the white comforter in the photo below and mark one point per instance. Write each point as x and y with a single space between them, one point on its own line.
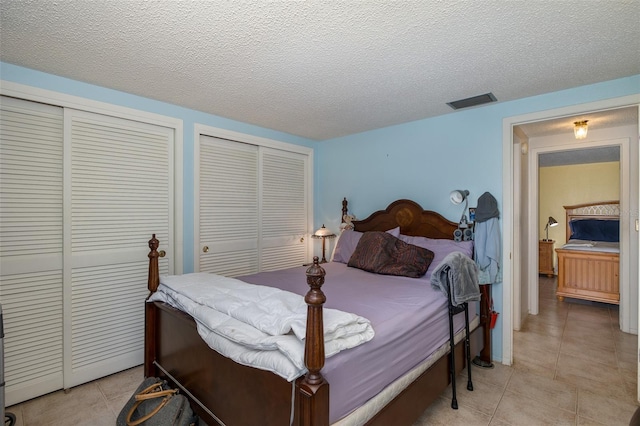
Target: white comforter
258 326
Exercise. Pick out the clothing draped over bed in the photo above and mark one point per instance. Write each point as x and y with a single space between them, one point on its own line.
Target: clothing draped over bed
457 274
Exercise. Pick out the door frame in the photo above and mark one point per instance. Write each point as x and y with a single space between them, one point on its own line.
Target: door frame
534 220
172 125
511 210
216 132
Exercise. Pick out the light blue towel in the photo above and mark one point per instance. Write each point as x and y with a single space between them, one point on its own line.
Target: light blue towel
458 272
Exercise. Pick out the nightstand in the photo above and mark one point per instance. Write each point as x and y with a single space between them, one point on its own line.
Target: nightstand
545 257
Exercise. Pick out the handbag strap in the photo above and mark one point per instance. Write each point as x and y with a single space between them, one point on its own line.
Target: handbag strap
150 392
152 395
147 394
148 416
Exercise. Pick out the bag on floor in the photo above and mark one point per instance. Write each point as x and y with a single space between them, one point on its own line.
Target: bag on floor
154 403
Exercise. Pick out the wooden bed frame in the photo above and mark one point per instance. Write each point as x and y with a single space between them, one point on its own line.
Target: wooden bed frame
589 275
222 391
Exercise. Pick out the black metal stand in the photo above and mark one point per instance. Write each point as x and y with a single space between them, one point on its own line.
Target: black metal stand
477 361
9 419
453 310
484 359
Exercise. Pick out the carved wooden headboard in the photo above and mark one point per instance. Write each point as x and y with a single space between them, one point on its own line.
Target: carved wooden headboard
410 217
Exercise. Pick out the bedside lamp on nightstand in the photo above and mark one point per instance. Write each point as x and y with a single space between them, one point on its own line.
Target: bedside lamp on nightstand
323 233
550 223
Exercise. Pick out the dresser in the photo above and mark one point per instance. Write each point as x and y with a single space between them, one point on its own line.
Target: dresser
545 257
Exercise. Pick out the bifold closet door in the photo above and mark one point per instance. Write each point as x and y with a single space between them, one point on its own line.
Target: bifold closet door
251 207
283 209
119 190
228 207
80 196
31 218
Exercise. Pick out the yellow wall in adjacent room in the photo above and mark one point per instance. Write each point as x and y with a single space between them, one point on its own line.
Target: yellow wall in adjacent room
575 184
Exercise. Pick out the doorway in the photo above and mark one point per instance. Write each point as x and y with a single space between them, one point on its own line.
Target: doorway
514 230
588 157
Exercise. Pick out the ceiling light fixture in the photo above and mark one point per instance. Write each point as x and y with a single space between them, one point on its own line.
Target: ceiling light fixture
580 129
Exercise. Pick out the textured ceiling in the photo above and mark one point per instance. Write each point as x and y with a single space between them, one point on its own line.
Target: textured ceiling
579 156
322 69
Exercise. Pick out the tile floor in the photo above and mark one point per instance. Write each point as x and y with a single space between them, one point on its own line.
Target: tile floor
572 365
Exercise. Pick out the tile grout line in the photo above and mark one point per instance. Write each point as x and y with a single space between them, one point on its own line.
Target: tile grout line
504 391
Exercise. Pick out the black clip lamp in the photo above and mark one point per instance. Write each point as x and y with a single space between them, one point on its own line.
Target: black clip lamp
550 223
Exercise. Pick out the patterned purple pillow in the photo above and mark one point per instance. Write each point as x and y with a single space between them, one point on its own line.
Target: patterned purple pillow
382 253
348 241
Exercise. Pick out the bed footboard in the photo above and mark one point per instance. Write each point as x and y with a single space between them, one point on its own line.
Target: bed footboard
223 391
587 275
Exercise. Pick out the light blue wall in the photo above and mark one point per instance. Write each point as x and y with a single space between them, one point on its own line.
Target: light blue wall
422 160
189 117
425 160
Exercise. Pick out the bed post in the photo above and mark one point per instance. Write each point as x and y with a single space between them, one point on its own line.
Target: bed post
312 390
154 274
150 311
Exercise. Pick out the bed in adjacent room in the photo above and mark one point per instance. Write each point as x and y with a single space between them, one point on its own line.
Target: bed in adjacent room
589 263
387 378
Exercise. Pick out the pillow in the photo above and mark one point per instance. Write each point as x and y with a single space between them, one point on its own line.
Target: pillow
382 253
595 230
346 245
395 232
440 247
347 242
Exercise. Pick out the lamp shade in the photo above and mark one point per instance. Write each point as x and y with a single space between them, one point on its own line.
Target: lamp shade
323 232
458 196
550 224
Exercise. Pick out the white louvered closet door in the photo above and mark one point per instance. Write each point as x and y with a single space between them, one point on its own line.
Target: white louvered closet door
251 206
31 217
228 207
283 209
119 186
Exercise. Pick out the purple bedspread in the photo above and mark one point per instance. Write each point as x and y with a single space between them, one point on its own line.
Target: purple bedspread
409 318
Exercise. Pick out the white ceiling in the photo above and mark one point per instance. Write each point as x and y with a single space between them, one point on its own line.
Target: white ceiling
595 120
564 125
322 69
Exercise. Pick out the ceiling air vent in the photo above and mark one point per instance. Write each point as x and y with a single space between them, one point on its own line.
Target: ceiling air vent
473 101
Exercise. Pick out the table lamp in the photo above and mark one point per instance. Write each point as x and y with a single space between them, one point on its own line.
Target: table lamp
323 233
550 223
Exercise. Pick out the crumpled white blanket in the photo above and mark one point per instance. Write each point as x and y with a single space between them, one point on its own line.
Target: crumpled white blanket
258 326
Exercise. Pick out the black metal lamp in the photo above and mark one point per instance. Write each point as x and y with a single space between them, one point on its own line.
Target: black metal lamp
550 223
